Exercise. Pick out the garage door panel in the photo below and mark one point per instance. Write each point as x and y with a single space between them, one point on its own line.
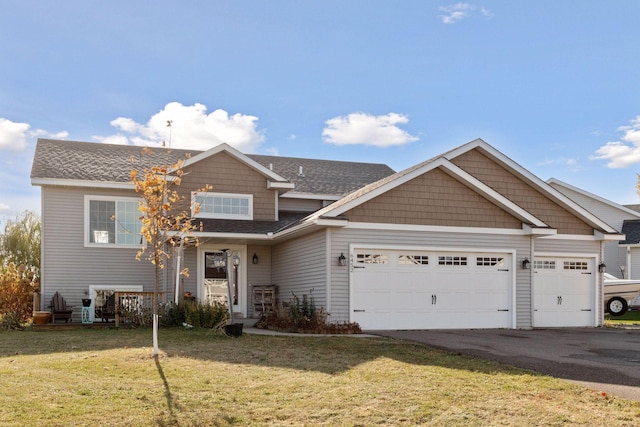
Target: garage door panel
432 290
563 292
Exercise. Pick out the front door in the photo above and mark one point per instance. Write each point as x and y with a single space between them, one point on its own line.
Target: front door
213 277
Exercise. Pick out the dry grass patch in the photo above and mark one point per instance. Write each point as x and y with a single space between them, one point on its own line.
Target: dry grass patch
108 377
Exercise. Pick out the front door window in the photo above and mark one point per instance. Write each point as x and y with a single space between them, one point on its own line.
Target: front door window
215 279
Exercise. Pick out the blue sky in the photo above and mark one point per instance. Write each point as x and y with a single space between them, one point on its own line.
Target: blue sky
553 85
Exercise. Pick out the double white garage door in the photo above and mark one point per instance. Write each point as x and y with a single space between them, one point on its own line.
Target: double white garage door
420 289
411 289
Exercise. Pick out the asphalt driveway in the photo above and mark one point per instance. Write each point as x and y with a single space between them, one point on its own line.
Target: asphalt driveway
603 359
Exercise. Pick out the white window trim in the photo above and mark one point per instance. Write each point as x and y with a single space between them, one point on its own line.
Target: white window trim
87 204
201 214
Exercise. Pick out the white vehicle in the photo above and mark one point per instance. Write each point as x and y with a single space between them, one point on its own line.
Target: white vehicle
620 294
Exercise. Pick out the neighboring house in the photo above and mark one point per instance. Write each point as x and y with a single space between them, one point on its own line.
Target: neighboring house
453 242
621 258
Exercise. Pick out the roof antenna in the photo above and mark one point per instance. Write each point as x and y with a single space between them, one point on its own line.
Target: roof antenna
169 123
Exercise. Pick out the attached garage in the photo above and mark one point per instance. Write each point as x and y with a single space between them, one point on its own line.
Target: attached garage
564 290
408 288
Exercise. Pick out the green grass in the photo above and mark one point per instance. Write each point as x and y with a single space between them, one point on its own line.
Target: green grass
631 317
107 377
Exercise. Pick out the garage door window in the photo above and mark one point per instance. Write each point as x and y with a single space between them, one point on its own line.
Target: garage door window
372 259
413 259
452 260
489 261
576 265
544 265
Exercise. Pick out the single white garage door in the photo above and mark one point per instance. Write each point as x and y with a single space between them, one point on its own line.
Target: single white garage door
563 292
412 289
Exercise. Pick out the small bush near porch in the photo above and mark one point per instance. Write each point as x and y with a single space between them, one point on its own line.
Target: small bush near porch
301 315
108 377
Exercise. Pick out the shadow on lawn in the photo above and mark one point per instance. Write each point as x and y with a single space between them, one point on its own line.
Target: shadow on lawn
330 355
167 391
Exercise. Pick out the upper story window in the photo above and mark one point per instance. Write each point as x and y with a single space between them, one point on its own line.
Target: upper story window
223 206
112 221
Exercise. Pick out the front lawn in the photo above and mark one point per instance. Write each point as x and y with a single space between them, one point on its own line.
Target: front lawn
107 377
631 317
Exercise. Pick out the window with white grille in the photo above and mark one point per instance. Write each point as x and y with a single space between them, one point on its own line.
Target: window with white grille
544 265
452 260
413 259
576 265
222 206
372 258
490 261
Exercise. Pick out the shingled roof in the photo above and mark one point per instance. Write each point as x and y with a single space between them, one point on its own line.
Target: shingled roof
89 161
631 230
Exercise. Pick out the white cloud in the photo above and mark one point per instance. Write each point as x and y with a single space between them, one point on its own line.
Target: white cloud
14 136
571 164
366 129
456 12
191 127
4 207
626 151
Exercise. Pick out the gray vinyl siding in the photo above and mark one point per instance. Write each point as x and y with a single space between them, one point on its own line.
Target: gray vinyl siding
257 274
562 246
614 256
190 284
634 268
342 238
67 265
299 267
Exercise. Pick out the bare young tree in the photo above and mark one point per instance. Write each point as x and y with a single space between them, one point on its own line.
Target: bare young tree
166 220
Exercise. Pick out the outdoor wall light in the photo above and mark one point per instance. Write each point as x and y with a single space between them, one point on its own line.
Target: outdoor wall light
255 258
602 267
526 263
342 260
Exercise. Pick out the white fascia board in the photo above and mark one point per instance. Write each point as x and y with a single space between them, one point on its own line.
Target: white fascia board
237 154
310 223
309 196
533 231
245 236
354 246
609 237
464 148
384 188
580 237
435 228
484 189
539 183
494 196
585 193
271 185
330 222
83 183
